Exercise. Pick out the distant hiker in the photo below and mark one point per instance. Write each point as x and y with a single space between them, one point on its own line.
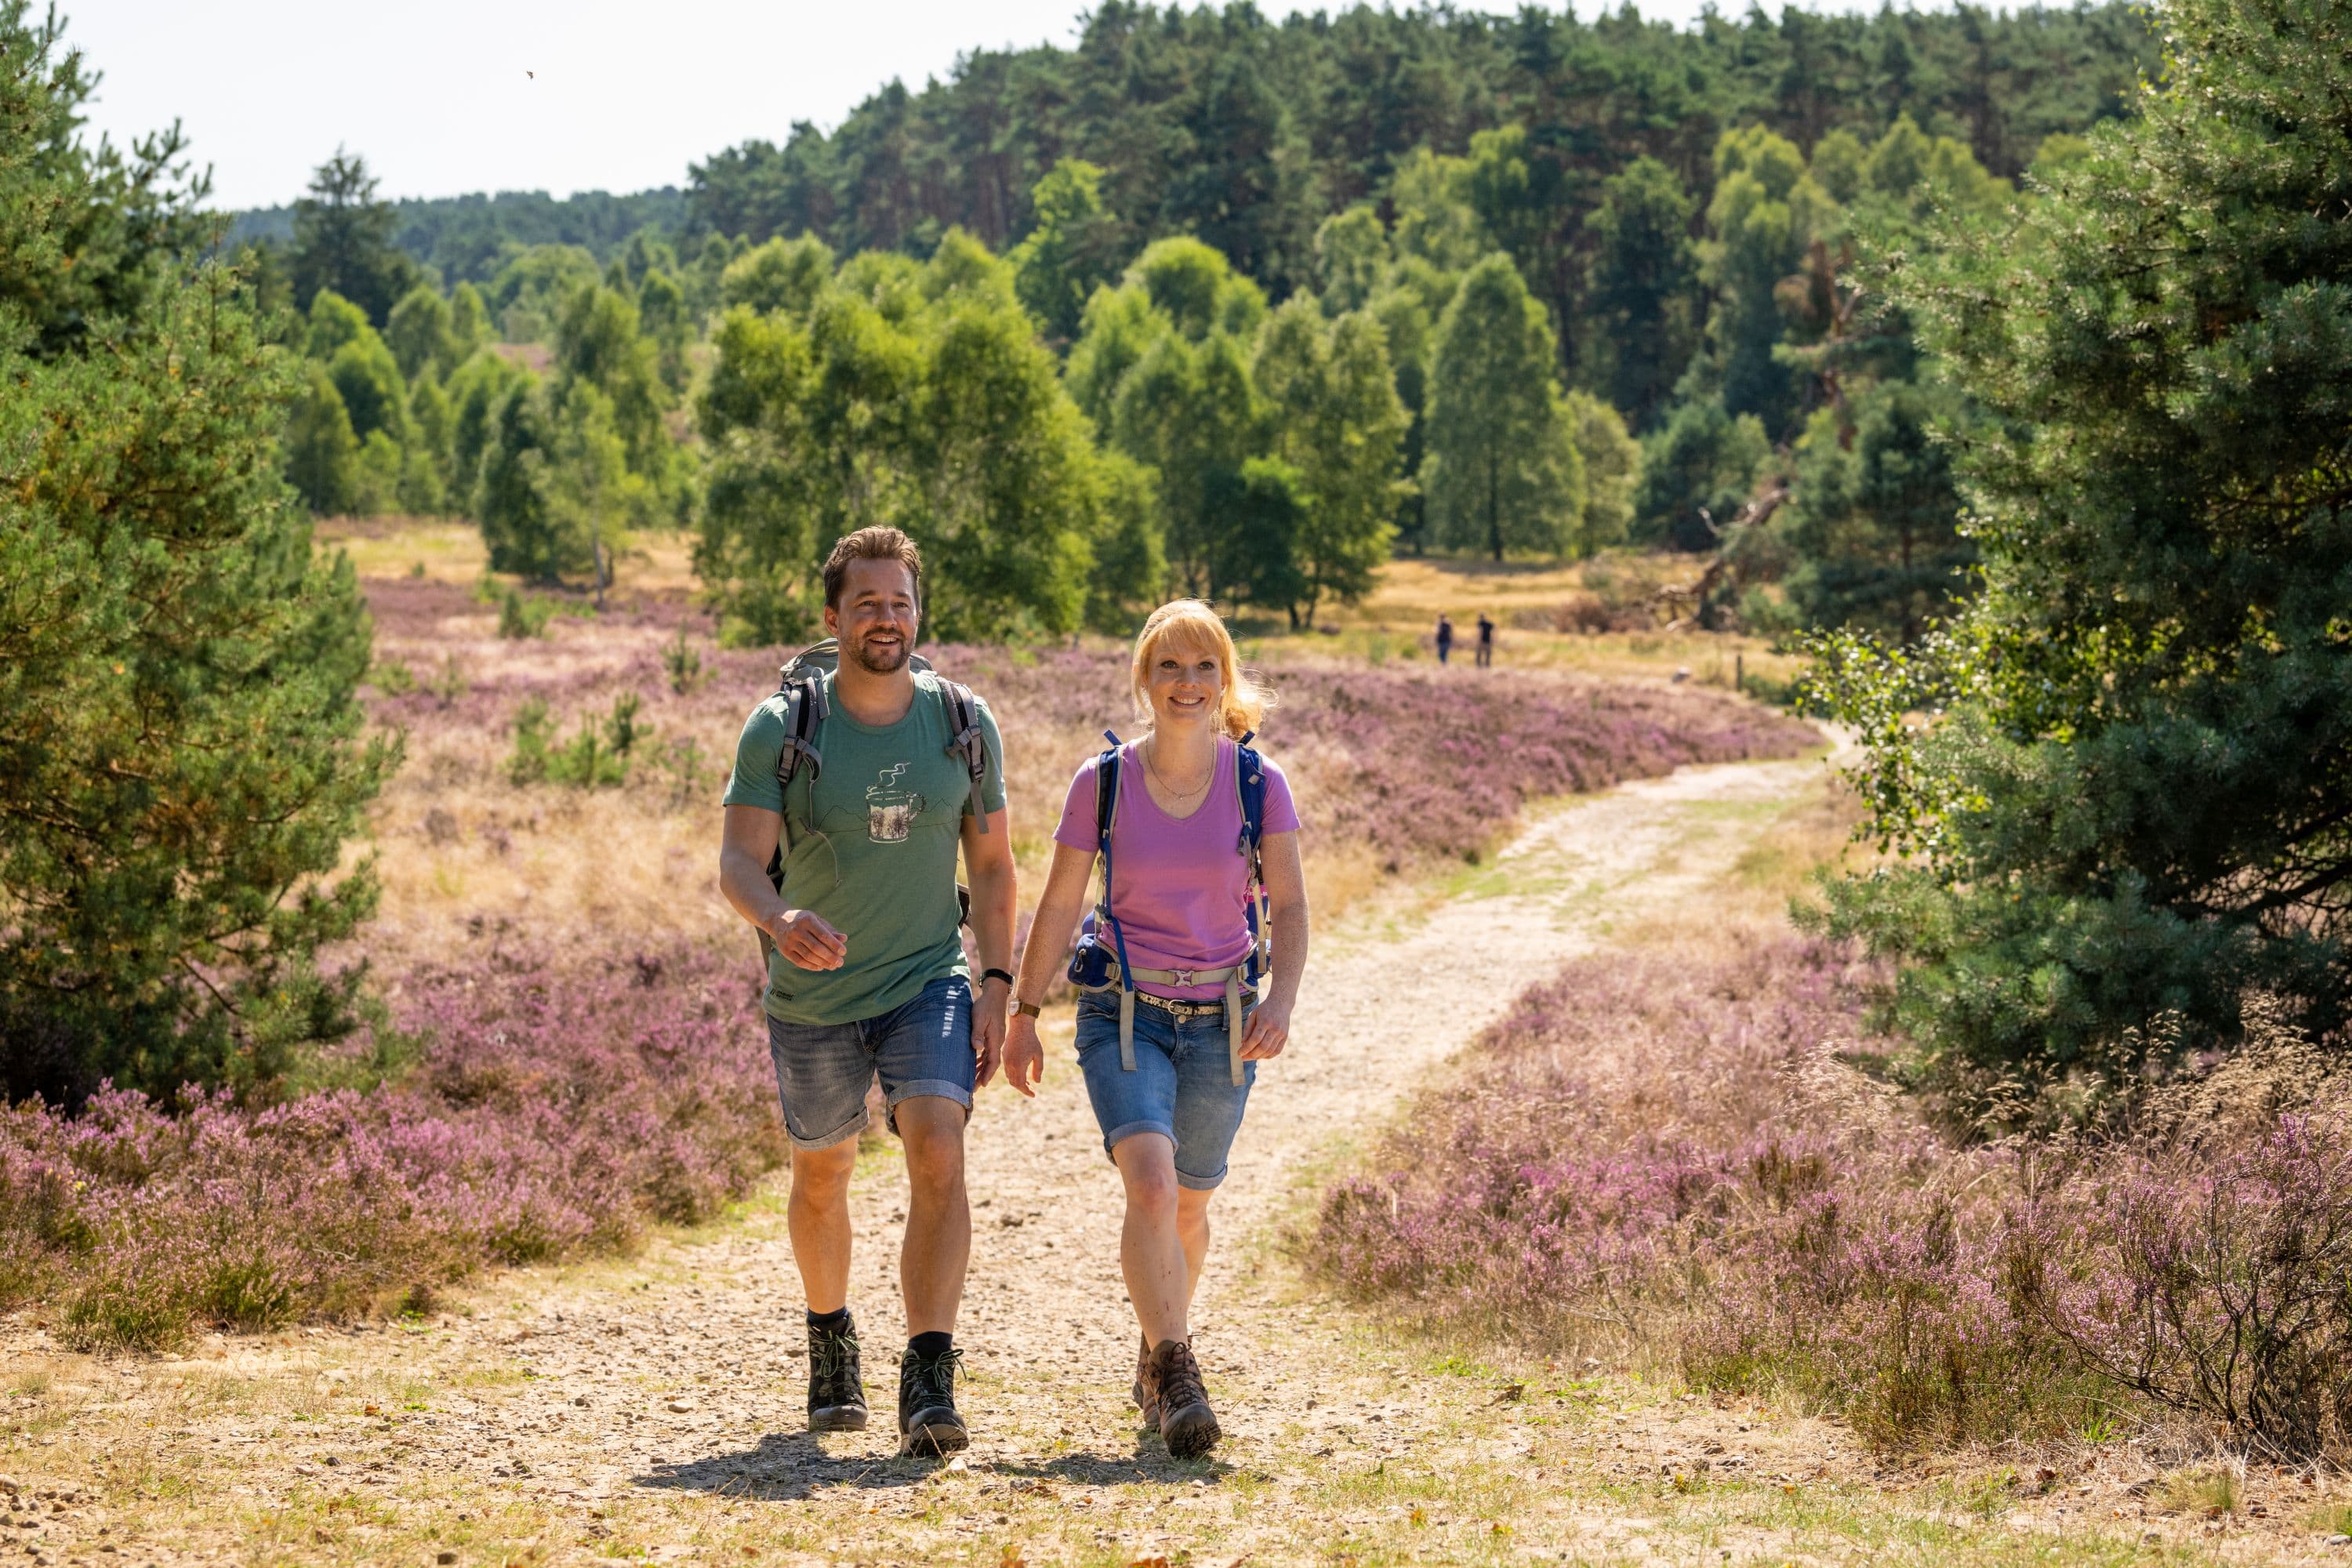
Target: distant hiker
1199 842
1485 640
853 788
1445 636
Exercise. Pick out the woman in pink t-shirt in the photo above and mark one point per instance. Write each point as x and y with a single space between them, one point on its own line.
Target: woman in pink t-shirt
1161 1070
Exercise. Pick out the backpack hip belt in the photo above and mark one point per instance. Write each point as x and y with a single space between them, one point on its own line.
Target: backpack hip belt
1231 978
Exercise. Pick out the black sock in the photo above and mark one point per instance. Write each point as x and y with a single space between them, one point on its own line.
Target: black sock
836 1318
933 1346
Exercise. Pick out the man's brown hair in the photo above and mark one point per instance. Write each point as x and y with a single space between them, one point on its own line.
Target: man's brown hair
871 545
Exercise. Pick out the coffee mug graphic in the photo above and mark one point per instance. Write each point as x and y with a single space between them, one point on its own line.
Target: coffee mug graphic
890 812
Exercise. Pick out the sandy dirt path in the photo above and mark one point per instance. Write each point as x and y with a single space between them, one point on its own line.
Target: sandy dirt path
650 1407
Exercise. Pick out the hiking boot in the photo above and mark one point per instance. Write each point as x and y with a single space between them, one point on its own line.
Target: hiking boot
1186 1423
837 1400
928 1422
1146 1400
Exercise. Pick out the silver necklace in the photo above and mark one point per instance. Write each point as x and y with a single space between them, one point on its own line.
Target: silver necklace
1152 768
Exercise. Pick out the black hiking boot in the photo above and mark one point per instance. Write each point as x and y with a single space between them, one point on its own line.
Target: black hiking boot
837 1400
928 1422
1186 1423
1145 1399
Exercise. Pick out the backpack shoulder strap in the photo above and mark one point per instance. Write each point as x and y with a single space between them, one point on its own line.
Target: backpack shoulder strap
1251 778
1253 790
965 739
805 711
1105 794
1106 807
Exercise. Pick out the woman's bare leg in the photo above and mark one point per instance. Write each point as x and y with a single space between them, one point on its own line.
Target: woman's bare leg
1192 1230
1153 1255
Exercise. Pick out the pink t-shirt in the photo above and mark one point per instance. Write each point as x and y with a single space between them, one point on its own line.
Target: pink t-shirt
1179 883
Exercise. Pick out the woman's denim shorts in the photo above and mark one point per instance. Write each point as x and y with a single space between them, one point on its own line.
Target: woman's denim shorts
1182 1087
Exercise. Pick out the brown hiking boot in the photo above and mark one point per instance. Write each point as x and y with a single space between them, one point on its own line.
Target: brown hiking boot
1186 1423
1146 1398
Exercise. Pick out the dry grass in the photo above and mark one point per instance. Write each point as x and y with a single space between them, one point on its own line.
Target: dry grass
447 550
1526 600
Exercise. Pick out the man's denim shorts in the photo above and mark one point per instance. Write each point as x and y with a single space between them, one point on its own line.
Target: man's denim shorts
1182 1087
922 1047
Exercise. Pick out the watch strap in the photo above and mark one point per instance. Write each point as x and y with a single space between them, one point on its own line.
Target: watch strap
988 974
1031 1008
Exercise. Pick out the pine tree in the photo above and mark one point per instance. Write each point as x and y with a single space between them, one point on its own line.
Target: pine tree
180 753
1766 210
321 451
1640 286
1502 471
2131 815
342 241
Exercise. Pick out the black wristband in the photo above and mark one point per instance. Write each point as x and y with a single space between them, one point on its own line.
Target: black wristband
988 974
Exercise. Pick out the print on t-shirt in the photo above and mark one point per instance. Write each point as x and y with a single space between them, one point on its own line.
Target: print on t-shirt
890 812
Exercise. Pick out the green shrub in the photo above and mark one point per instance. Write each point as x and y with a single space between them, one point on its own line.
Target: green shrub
522 616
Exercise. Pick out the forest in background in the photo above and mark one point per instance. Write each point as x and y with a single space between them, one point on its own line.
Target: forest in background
1666 236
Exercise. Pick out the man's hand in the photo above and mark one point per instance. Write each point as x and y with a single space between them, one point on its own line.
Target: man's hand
1024 1055
988 1030
806 941
1268 1032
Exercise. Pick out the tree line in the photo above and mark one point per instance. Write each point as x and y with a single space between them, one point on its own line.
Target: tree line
1272 454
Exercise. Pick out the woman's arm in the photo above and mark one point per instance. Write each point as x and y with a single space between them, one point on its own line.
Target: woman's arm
1049 939
1285 896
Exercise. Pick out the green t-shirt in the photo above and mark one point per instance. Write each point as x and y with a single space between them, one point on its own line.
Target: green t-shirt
873 840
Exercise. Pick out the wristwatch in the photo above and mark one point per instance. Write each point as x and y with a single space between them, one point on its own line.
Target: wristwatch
1004 974
1031 1008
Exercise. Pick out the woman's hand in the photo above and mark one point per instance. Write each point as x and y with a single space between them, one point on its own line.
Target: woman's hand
1024 1055
1268 1032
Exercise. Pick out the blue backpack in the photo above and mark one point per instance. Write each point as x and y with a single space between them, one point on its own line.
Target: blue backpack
1098 963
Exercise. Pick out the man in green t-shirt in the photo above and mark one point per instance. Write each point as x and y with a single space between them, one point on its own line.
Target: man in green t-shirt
868 976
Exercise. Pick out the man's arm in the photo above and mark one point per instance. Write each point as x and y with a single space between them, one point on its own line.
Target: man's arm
988 869
747 844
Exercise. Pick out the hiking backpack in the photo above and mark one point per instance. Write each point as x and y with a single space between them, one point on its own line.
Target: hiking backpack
1098 964
801 682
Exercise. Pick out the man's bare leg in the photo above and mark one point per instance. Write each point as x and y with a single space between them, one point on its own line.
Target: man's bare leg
938 1247
818 1217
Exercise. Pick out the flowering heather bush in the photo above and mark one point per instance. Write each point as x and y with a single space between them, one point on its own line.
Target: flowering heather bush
556 1107
1654 1151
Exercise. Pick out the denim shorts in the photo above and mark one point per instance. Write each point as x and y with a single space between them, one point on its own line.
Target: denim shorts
1182 1087
922 1047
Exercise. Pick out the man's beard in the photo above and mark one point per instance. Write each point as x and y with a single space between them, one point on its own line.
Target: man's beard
879 662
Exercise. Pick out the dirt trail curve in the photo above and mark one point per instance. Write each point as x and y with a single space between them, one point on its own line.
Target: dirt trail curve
650 1406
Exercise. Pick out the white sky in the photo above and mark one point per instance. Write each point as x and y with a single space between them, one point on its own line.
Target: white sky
433 94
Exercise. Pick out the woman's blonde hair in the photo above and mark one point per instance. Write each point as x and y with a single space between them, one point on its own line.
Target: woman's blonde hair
1192 624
